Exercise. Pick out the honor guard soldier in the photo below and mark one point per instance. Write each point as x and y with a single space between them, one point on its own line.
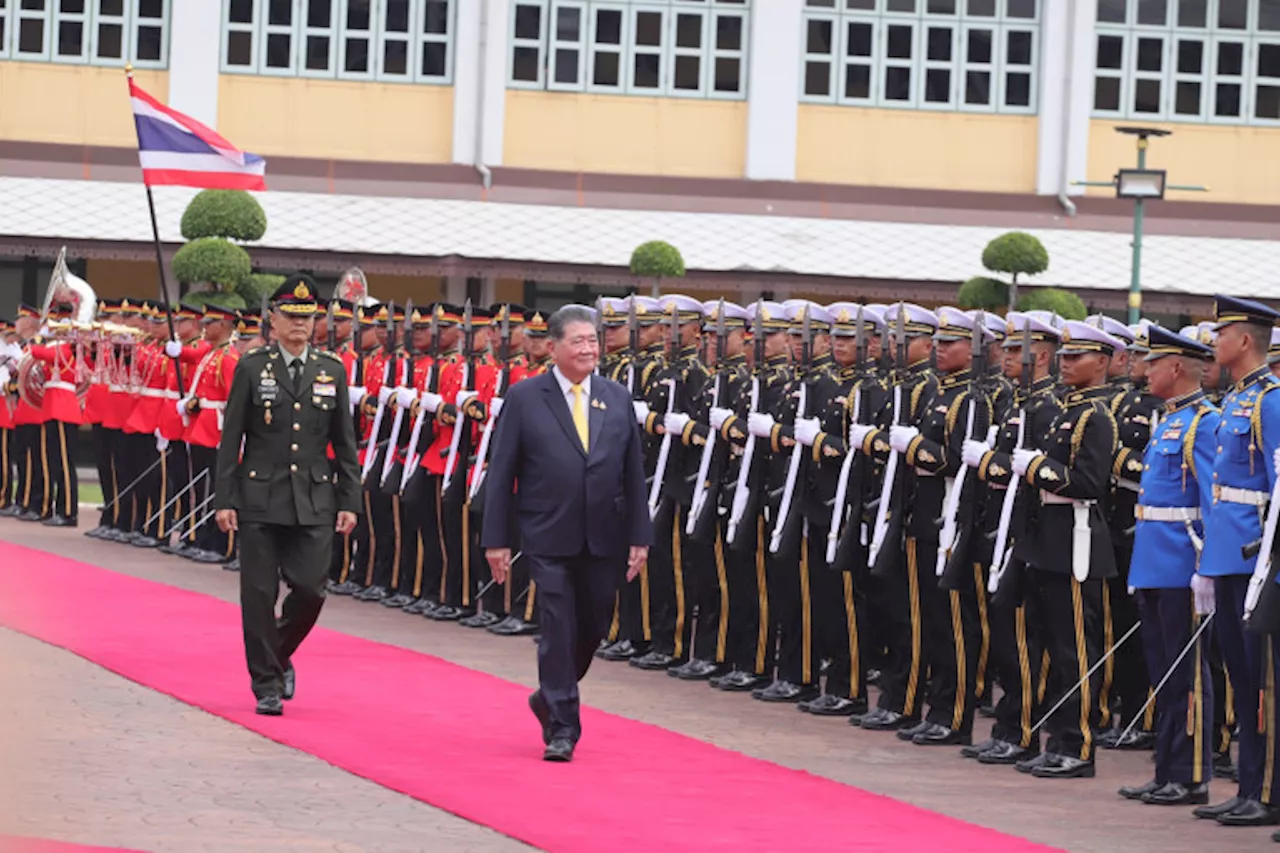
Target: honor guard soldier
359 573
1273 352
95 402
9 355
1174 499
288 404
171 430
1016 650
672 572
752 630
62 416
29 433
894 574
1243 476
1068 553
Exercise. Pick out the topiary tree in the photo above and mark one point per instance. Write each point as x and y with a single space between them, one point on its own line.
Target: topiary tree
989 294
657 260
223 298
1064 303
211 260
1016 253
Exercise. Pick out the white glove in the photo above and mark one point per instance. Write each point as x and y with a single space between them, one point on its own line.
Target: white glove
973 452
1022 460
1202 589
901 436
461 398
641 409
173 349
806 430
718 417
760 424
858 434
161 442
1275 461
4 376
356 393
431 402
405 397
384 394
674 422
181 406
495 406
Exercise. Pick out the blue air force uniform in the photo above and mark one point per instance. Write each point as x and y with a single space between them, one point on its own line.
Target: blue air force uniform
1174 499
1242 478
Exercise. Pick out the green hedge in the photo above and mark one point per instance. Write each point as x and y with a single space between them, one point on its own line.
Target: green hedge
1016 253
212 260
223 298
657 259
233 214
989 294
257 285
1065 304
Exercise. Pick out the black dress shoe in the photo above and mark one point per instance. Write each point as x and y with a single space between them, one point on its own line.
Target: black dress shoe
502 626
445 613
1223 768
619 651
526 629
270 706
208 557
976 749
373 593
560 749
416 608
1008 753
1177 794
938 735
1215 812
233 566
290 682
873 677
397 600
483 619
738 681
1135 740
1107 739
92 533
29 515
829 705
908 732
143 542
653 661
883 720
1137 792
1066 767
697 670
12 510
1035 762
785 691
1251 813
61 521
538 706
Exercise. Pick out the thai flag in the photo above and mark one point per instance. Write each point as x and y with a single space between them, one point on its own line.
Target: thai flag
177 150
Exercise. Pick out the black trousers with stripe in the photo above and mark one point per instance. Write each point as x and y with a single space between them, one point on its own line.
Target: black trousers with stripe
61 441
791 608
379 560
207 535
32 469
750 645
835 619
1072 633
953 642
6 473
1016 655
902 634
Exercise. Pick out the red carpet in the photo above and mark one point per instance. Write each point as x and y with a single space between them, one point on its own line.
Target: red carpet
13 844
462 740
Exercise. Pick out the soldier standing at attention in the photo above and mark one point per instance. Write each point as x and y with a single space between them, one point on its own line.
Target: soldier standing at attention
288 404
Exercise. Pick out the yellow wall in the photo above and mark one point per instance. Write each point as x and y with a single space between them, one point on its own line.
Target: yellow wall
337 119
421 289
916 148
71 104
573 132
1236 163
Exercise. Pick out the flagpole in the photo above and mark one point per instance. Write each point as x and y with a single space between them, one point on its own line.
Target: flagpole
155 236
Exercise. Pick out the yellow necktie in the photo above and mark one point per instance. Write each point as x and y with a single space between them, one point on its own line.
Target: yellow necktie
580 414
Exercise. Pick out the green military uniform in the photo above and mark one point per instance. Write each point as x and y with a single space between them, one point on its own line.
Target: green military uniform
285 490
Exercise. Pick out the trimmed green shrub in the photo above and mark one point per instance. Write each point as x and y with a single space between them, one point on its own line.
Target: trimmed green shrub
233 214
212 260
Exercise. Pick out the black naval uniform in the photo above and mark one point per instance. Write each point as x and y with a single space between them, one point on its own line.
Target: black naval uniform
1072 476
286 494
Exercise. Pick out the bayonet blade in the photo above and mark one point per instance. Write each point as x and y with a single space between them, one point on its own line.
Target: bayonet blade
408 326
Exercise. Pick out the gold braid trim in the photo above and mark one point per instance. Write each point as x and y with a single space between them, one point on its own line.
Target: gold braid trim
1189 446
1077 435
916 393
1255 421
953 413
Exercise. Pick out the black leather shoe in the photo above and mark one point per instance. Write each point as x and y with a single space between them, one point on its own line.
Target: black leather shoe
140 541
873 677
936 735
538 706
975 749
908 732
1177 794
30 515
445 613
290 682
1066 768
373 593
1137 792
986 708
1251 813
61 521
526 629
738 681
619 651
699 670
1135 740
502 626
830 705
1107 739
92 533
207 557
483 619
1214 812
1008 753
416 607
270 706
1223 768
653 661
785 691
1035 762
883 720
233 566
398 600
560 749
348 587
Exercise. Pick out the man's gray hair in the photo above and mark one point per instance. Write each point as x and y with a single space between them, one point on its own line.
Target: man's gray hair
559 321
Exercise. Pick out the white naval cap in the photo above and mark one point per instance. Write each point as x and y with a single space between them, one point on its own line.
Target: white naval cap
1016 323
957 325
917 320
613 310
773 316
994 322
1078 337
1205 332
1112 327
820 318
845 319
735 316
688 308
648 309
1051 318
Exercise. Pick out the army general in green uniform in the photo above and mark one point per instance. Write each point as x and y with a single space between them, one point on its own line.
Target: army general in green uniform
282 492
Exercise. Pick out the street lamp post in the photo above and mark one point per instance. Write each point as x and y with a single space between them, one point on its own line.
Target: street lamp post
1139 184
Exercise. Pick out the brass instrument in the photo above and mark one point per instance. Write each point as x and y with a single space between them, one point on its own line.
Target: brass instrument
65 287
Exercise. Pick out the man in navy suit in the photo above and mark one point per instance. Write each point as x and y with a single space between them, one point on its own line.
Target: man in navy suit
566 478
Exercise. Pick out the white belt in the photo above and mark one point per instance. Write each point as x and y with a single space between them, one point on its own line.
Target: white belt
65 386
1232 495
211 404
152 392
1127 484
1051 498
115 389
1166 513
920 472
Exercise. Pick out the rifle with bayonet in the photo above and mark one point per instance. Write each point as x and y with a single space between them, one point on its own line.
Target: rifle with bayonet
417 441
846 512
504 380
388 377
634 379
453 486
664 449
1002 554
787 525
745 494
392 463
888 522
706 490
330 327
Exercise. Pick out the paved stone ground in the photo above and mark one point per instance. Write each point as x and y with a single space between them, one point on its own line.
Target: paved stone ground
165 777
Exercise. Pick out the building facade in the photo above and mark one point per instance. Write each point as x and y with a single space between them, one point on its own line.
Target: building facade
852 129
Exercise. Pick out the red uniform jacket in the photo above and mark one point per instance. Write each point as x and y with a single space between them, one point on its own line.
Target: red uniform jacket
214 371
60 400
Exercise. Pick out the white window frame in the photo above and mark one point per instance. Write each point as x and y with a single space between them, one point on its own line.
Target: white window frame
52 16
960 23
6 27
1212 37
45 16
83 19
337 32
708 53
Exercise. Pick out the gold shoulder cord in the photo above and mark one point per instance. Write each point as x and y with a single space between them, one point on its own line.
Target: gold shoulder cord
1189 446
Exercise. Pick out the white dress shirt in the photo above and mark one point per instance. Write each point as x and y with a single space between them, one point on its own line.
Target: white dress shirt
566 389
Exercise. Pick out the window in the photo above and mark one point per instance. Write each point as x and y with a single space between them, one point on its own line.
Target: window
977 55
389 40
1188 60
86 32
683 48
